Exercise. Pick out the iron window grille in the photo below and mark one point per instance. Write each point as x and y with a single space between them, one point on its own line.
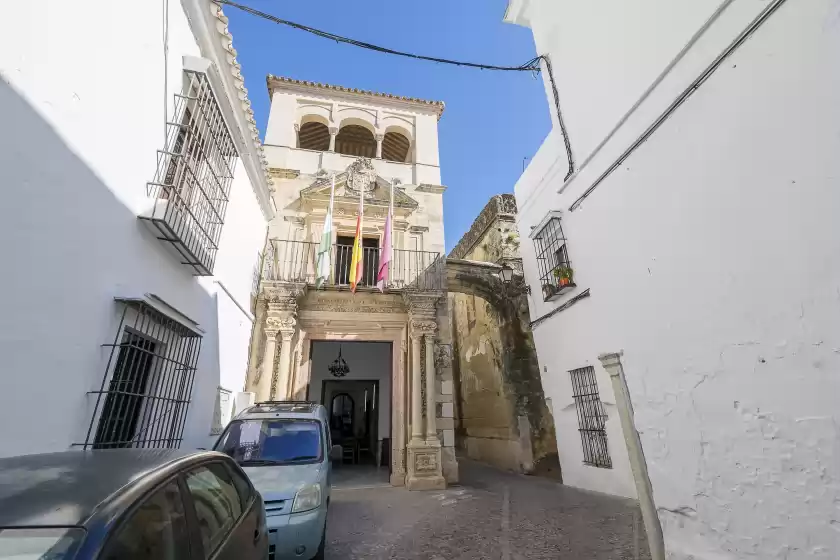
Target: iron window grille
555 268
146 389
194 172
591 418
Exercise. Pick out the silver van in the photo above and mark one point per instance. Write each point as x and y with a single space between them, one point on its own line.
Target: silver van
284 447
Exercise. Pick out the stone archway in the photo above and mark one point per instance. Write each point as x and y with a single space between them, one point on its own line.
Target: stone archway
502 416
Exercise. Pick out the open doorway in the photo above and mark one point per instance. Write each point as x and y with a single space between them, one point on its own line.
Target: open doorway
359 407
354 408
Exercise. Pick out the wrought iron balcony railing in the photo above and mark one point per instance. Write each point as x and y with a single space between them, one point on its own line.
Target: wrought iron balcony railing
296 261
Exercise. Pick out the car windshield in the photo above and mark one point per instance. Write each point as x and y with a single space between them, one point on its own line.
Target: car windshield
272 441
40 544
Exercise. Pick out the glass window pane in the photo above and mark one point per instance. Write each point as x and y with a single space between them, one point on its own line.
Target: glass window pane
217 505
242 487
156 530
275 440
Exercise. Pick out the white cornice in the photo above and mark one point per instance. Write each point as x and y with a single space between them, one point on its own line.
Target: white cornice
303 87
517 12
209 26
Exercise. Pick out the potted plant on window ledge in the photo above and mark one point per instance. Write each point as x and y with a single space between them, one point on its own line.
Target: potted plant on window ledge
565 278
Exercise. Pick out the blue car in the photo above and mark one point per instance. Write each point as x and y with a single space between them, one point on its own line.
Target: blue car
285 449
129 504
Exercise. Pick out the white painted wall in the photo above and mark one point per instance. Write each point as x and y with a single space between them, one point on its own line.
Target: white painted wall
298 104
713 260
82 107
367 360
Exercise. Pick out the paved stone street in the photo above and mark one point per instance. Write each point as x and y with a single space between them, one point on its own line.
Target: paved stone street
492 514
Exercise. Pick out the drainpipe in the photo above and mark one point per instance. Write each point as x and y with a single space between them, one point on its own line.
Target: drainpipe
644 490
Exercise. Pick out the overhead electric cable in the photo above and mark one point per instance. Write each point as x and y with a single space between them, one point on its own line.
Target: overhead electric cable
532 65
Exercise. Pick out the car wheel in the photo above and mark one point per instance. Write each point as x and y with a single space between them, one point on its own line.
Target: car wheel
321 554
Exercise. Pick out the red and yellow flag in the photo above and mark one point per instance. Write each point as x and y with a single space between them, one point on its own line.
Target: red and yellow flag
357 262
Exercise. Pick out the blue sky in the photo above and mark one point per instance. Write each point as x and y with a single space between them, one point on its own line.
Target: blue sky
492 119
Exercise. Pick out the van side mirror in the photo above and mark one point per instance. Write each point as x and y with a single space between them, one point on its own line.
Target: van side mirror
335 453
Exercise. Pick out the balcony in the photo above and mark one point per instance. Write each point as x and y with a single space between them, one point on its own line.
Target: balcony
190 191
296 261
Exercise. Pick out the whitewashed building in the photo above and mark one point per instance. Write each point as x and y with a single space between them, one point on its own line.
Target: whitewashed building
691 188
136 200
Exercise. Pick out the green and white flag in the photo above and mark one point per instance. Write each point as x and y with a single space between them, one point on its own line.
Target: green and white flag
325 248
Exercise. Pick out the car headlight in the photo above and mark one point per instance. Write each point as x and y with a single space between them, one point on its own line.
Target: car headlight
308 497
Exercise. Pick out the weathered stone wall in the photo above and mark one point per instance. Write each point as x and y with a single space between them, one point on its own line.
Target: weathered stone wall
501 414
486 422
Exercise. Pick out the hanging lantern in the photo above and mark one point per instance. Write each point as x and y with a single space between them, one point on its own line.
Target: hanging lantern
339 367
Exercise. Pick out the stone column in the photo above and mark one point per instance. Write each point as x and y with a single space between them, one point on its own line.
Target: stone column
424 467
281 307
297 135
254 350
431 387
333 133
379 139
416 390
264 385
399 414
281 393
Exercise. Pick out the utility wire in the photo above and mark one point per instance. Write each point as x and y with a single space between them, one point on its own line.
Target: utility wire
532 65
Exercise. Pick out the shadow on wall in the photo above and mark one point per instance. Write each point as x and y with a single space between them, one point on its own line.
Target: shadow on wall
69 246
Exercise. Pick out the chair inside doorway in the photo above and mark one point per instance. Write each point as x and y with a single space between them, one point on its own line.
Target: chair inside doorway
353 421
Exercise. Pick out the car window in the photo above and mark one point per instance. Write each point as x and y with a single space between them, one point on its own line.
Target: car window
242 487
157 529
217 503
272 441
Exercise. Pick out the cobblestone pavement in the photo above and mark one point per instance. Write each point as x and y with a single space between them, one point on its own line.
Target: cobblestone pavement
491 514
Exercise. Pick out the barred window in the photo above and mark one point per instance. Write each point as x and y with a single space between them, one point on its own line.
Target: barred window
146 389
556 274
193 178
591 417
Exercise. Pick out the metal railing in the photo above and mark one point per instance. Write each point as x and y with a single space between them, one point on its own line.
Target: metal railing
296 261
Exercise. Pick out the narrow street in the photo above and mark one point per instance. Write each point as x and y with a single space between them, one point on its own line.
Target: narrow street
492 514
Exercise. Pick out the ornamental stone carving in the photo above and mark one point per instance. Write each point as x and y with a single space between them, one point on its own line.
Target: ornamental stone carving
282 297
425 462
280 324
361 176
423 327
422 304
443 356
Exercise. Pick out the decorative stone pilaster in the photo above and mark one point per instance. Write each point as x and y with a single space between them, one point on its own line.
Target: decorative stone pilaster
416 388
280 321
287 332
431 389
264 382
424 471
